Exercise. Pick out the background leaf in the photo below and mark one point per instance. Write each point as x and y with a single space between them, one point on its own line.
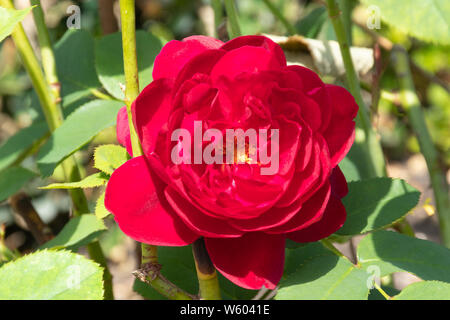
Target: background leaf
424 19
425 290
9 18
77 130
375 203
17 144
55 275
313 272
109 157
393 252
78 232
12 180
109 61
74 54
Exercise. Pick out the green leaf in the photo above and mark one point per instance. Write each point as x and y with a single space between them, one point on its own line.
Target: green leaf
109 60
78 232
17 144
76 131
51 275
12 180
394 252
100 209
425 290
9 18
94 180
349 170
76 79
376 203
424 19
310 25
313 272
109 157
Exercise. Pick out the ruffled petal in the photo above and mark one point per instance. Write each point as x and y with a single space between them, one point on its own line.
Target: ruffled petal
203 224
315 89
175 54
257 41
332 220
254 260
245 59
310 212
151 111
140 211
338 183
340 133
123 130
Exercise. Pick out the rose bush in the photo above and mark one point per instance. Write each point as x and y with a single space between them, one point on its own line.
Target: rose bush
244 217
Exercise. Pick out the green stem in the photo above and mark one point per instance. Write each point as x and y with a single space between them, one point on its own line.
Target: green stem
206 273
150 271
47 89
380 290
128 18
374 152
233 23
276 12
218 15
411 103
347 7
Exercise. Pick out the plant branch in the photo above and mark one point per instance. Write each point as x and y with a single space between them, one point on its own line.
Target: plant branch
21 204
47 89
276 12
411 103
150 274
128 20
233 22
374 152
206 273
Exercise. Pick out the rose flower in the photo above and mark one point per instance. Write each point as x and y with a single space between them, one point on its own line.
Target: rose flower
243 215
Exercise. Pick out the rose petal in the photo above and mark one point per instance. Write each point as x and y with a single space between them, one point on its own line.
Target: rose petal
175 54
332 220
310 212
338 183
151 111
254 260
257 41
245 59
340 133
203 224
315 89
141 213
123 130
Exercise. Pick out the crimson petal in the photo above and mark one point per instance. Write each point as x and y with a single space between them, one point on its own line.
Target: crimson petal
332 220
254 260
141 213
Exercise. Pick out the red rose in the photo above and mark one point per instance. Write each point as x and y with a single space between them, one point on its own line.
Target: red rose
244 216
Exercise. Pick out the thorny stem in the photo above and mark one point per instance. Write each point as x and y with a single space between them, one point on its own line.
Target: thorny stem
128 19
374 152
411 103
149 272
233 23
47 89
